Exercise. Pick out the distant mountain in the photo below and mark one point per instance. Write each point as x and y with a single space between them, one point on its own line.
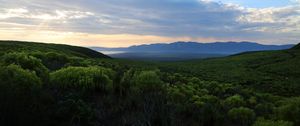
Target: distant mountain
227 48
186 50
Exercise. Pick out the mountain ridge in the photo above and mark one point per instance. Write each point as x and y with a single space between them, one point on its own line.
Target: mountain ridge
196 47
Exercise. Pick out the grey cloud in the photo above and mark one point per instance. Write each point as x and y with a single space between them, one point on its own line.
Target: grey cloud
193 18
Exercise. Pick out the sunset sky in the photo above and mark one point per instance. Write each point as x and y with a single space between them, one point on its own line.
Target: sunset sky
121 23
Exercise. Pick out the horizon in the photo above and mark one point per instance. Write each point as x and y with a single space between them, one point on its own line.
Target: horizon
195 42
156 43
112 23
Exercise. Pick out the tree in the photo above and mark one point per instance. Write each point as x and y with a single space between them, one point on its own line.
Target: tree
290 110
83 78
263 122
264 109
241 116
19 93
27 62
52 60
148 81
234 101
150 94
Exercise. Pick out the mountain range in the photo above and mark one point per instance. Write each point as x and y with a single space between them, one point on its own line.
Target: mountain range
186 50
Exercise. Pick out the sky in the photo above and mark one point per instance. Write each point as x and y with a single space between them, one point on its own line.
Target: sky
122 23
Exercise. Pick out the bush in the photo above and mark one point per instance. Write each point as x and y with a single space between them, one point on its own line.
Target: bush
75 112
290 110
263 122
19 90
234 101
264 109
15 78
52 60
148 81
241 116
27 62
83 78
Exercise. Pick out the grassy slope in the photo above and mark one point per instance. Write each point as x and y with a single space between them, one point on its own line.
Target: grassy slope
13 46
276 72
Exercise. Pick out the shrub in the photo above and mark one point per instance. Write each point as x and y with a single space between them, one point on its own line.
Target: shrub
27 62
19 90
17 79
263 122
241 116
83 78
147 81
52 60
290 110
234 101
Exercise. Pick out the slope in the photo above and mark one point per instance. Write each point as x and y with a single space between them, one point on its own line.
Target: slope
276 72
18 46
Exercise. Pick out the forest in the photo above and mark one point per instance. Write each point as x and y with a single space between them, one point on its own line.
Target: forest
61 85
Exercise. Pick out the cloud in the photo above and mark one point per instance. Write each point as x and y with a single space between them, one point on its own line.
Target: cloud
56 15
164 18
273 20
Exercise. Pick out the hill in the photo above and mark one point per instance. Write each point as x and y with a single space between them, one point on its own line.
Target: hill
297 46
275 72
17 46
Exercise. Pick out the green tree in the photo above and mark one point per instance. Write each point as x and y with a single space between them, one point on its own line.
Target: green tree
83 78
264 109
150 93
19 93
148 81
290 110
263 122
234 101
27 62
52 60
241 116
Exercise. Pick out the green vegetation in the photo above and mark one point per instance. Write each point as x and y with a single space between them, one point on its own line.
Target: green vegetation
16 46
82 78
274 72
48 84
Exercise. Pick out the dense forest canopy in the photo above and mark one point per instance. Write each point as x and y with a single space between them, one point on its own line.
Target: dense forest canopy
49 84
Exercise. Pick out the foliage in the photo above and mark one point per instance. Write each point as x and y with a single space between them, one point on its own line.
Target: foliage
19 90
263 122
234 101
85 78
290 110
26 62
52 60
87 88
147 81
241 116
273 72
17 46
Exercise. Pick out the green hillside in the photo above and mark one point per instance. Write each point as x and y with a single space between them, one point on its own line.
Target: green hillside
17 46
276 72
297 47
61 85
